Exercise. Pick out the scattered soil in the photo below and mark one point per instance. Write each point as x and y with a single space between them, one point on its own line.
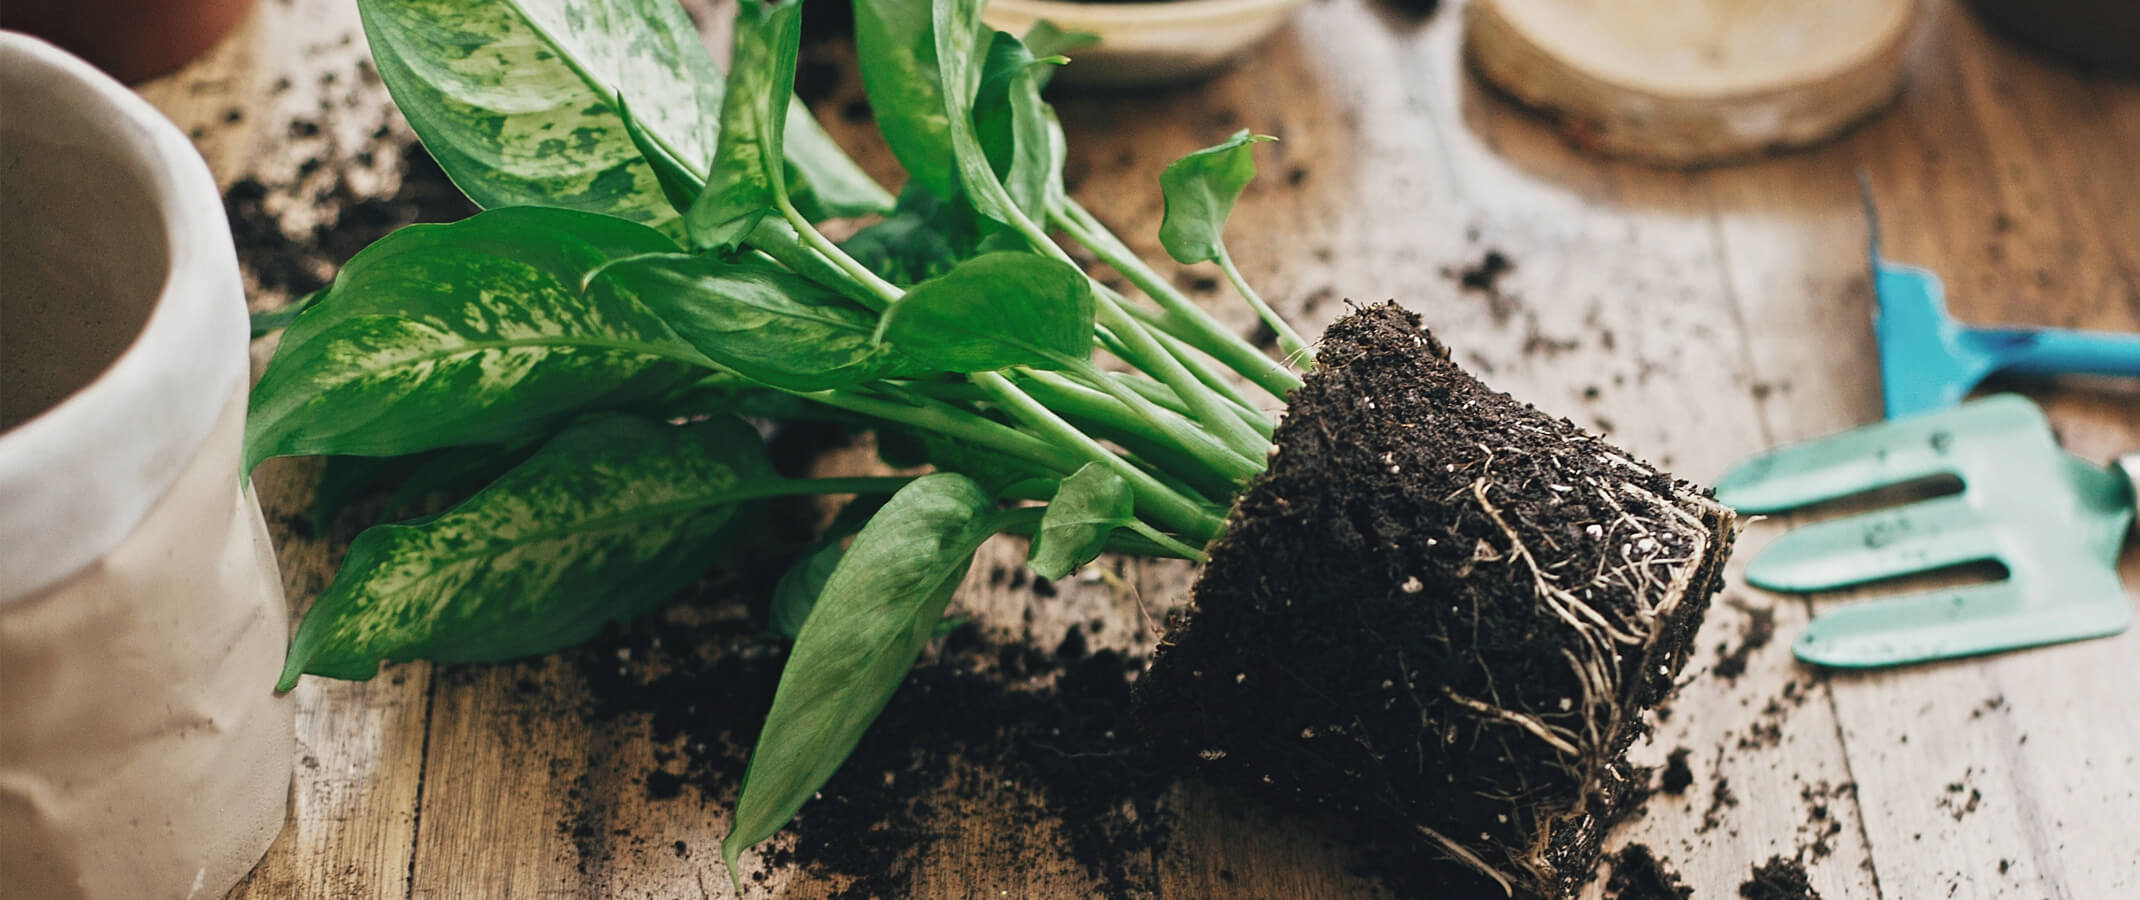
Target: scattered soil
1721 798
1484 277
1759 630
1817 834
1637 874
1371 633
1779 879
293 262
1960 800
1048 725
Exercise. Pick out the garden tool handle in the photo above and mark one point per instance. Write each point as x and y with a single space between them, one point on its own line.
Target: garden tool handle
2055 351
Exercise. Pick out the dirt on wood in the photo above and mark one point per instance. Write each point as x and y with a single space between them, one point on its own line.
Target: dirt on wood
1637 874
1778 879
1440 610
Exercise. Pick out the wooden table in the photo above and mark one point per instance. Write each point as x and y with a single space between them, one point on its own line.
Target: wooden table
1697 317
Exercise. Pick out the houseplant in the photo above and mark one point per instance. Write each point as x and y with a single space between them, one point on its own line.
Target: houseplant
582 356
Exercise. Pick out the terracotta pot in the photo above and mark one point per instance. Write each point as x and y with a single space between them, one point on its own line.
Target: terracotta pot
131 40
143 750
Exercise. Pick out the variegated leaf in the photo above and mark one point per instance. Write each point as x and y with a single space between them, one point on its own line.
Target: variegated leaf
609 518
518 101
754 319
474 332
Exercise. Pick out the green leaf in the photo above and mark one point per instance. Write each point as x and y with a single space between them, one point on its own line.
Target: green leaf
895 48
1200 190
272 320
748 179
767 325
1087 508
468 333
798 589
680 185
925 236
1011 122
517 99
961 64
995 311
344 480
457 473
607 519
1046 39
877 610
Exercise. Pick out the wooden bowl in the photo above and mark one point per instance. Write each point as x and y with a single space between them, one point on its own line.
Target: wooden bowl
1694 82
1144 44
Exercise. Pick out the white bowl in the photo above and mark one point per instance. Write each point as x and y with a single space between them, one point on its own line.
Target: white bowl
1151 43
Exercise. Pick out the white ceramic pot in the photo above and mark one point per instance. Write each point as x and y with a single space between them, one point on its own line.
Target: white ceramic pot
1154 43
143 751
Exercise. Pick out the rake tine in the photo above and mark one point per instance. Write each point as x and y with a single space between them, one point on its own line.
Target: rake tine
1873 456
1853 462
1958 622
1920 537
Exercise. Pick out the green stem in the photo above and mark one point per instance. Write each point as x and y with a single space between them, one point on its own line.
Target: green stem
887 292
1173 428
1288 339
1169 507
777 239
1211 410
953 422
1102 416
1189 322
1157 537
811 486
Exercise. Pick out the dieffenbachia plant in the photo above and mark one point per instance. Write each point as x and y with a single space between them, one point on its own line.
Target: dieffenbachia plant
650 268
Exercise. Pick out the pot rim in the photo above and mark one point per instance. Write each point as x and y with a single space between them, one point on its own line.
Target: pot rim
78 477
1146 14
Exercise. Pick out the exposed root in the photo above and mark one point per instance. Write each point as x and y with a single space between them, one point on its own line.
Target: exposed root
1464 855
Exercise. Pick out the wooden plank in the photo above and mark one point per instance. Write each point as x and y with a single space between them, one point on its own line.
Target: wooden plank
2011 776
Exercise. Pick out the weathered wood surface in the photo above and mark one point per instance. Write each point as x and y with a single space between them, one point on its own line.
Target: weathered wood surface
1697 317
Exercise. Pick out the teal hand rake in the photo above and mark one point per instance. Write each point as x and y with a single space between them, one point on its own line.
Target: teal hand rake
2056 523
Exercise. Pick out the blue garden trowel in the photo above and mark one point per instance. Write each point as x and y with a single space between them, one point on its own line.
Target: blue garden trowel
2056 523
1930 361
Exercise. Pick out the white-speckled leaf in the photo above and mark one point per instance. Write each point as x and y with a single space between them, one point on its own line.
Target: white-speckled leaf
517 99
608 519
474 332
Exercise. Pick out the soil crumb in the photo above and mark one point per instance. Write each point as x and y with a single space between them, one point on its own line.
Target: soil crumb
1484 277
1779 879
1369 635
1637 874
1759 630
1678 776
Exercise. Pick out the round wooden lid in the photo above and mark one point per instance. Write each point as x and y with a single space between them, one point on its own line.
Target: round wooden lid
1694 82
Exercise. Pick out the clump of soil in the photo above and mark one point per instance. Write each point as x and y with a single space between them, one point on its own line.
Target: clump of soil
1441 610
1637 874
1779 879
1678 776
1484 277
